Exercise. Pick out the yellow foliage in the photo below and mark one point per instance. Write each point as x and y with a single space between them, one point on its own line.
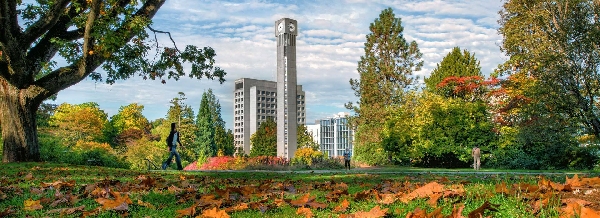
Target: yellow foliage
87 145
142 150
307 155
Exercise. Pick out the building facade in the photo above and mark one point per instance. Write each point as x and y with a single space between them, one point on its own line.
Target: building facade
254 102
336 135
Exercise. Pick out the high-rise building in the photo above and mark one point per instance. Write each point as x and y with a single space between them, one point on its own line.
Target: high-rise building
254 101
336 135
286 30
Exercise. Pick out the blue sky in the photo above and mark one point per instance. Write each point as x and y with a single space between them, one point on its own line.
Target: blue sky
331 37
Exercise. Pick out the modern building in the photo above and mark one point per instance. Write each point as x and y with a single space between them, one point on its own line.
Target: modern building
336 135
254 102
286 30
315 131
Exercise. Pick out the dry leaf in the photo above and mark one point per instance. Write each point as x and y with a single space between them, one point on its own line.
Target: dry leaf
373 213
305 211
215 213
32 205
342 207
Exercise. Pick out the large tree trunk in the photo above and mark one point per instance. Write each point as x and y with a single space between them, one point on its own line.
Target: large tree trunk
19 132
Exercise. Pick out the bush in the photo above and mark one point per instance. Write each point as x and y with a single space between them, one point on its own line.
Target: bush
52 150
267 163
222 163
139 152
306 156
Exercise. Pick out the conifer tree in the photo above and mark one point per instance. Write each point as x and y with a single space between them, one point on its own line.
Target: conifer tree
264 140
204 145
385 72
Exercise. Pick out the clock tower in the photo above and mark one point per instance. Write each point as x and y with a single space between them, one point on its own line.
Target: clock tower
286 31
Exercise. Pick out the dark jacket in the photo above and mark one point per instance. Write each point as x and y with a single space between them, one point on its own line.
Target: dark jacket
170 139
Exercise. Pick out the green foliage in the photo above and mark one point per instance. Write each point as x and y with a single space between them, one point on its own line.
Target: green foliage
44 113
87 35
205 146
128 117
385 73
52 150
555 44
305 139
222 138
142 150
183 115
454 64
264 140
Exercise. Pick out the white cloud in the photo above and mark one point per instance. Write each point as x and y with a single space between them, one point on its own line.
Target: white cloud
330 43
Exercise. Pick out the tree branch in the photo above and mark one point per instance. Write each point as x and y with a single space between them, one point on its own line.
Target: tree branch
9 24
168 33
64 77
44 23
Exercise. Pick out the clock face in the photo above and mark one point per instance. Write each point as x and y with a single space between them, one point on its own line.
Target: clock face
292 27
280 28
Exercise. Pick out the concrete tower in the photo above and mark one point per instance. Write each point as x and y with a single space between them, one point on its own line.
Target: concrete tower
287 123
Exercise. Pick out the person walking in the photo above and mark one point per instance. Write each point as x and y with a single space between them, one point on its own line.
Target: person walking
347 156
172 142
476 153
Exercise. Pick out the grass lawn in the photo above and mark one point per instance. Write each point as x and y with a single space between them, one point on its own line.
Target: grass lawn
53 190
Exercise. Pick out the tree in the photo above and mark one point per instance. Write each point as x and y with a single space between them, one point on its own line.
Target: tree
183 115
455 64
129 123
204 145
555 43
224 144
110 34
305 139
385 73
264 140
85 122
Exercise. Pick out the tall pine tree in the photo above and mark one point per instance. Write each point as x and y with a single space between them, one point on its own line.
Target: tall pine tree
223 143
183 115
204 145
264 140
385 74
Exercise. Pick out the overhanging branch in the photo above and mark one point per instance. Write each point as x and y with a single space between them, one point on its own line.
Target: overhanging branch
168 33
44 23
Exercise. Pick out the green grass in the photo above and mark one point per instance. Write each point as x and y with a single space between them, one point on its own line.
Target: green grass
17 186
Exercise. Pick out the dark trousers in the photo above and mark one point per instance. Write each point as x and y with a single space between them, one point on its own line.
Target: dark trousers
347 164
177 159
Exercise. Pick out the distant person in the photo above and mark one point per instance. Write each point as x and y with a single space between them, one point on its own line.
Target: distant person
347 156
172 141
476 153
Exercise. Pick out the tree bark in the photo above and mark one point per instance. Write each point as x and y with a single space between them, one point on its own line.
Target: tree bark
19 131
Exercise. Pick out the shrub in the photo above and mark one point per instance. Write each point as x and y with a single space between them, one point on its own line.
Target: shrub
220 163
306 156
138 154
87 153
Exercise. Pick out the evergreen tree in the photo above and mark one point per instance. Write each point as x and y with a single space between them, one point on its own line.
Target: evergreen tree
385 74
264 140
224 145
456 64
305 139
204 145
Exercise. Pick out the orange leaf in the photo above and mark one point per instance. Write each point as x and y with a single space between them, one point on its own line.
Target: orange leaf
29 176
190 211
32 205
426 190
373 213
457 211
417 213
342 207
215 213
433 199
237 207
385 198
67 211
305 211
574 182
300 202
